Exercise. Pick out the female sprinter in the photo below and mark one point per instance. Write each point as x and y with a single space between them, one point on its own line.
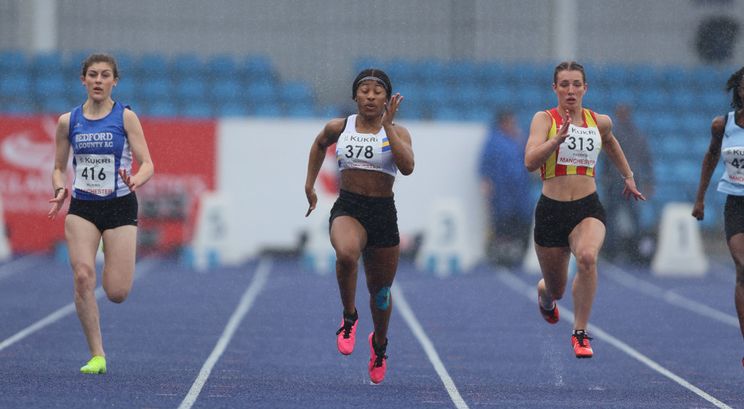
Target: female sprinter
103 135
727 137
564 143
370 149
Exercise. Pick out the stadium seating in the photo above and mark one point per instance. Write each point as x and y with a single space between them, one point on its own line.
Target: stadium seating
673 105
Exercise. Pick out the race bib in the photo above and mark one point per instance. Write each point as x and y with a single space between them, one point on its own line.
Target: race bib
581 147
733 158
95 174
359 151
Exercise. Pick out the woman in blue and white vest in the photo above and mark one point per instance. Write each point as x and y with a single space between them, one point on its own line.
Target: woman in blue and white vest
727 141
104 136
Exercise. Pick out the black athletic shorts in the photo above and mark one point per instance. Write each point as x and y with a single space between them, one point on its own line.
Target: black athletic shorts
377 215
107 214
555 220
733 216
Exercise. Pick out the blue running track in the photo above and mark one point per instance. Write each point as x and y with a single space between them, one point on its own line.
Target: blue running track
262 335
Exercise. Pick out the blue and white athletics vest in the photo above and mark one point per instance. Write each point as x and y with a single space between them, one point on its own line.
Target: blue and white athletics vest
100 148
364 151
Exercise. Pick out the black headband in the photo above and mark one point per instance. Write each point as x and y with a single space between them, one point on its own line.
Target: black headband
373 78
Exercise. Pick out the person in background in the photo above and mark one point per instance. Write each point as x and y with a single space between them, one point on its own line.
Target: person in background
564 143
104 136
628 241
506 187
727 141
370 148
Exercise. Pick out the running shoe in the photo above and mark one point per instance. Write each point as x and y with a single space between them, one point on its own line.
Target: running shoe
377 360
346 335
551 316
96 365
582 347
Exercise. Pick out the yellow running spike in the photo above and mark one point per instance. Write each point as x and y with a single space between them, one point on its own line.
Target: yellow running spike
96 365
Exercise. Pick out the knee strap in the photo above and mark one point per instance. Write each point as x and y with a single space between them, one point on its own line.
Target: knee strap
382 298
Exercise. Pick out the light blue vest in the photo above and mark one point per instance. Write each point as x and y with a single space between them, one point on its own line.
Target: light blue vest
732 155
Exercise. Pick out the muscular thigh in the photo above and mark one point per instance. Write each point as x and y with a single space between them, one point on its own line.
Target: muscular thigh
587 235
347 234
120 247
380 265
82 238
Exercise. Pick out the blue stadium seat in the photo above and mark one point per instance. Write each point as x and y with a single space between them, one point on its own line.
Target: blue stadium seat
431 71
491 73
479 114
196 109
257 68
190 89
124 90
411 111
499 94
267 109
295 91
413 93
152 66
228 90
330 111
645 76
653 99
621 95
125 63
446 113
261 91
232 109
22 105
187 65
17 84
466 96
222 66
401 71
533 96
162 109
55 105
299 110
47 63
156 88
682 98
614 76
53 85
13 61
460 72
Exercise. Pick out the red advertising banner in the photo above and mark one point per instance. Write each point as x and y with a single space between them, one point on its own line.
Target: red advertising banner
183 152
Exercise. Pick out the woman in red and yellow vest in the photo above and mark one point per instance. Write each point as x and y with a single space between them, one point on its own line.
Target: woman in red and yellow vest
564 143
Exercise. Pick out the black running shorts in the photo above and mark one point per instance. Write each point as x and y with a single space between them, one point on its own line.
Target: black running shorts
555 220
733 216
107 214
377 215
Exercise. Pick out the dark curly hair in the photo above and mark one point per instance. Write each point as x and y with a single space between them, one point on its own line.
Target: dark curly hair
376 74
733 84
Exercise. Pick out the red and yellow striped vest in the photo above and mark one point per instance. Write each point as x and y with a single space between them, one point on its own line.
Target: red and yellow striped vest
550 168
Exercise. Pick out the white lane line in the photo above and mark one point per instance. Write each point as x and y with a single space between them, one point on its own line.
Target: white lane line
520 286
402 306
246 302
142 268
628 280
18 265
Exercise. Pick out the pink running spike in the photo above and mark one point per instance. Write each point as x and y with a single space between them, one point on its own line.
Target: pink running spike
346 336
377 361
